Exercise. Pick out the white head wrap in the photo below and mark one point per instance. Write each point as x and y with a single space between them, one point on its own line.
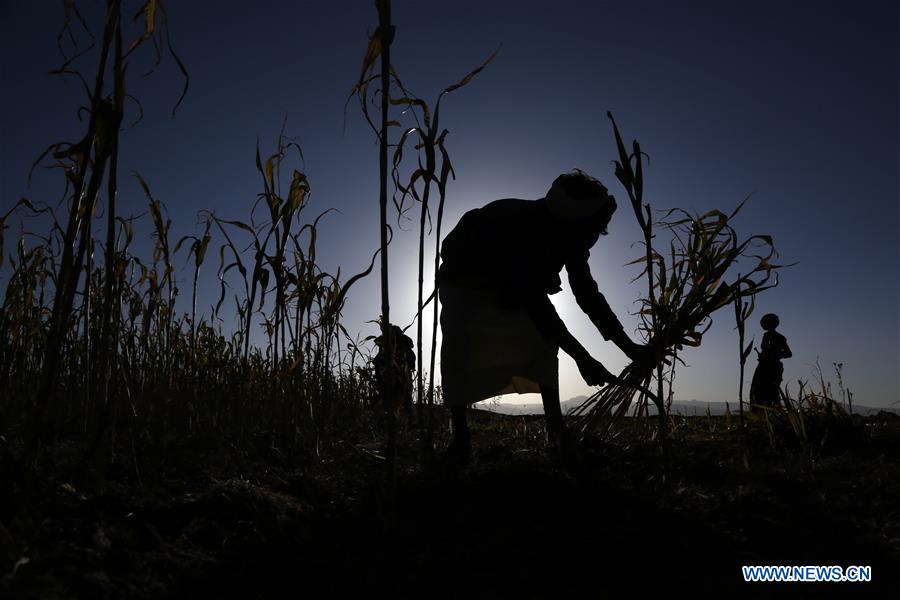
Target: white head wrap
566 208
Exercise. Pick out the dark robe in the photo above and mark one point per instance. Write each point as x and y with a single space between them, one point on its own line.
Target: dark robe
509 248
500 330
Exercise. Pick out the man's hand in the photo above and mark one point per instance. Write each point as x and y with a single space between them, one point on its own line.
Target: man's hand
594 373
641 354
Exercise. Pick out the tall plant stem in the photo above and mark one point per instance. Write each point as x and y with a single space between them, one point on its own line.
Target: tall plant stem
110 300
81 207
386 32
632 179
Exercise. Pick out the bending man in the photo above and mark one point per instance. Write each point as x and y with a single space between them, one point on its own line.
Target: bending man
501 332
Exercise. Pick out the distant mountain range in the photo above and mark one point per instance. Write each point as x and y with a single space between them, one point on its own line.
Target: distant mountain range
680 407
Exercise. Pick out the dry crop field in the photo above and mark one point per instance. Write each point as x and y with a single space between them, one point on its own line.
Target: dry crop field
152 447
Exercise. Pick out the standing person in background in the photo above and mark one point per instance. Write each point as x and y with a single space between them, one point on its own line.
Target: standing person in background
766 385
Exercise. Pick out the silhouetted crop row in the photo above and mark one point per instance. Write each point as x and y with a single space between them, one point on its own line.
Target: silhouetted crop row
92 339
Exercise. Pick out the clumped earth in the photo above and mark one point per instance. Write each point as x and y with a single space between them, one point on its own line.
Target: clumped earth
216 519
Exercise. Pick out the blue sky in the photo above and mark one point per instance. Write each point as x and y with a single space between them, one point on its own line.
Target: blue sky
795 103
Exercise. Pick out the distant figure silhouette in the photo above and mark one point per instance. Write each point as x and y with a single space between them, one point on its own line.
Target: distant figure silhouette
501 333
404 367
766 384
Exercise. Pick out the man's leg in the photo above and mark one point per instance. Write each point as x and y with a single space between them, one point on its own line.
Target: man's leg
460 422
460 450
556 428
552 410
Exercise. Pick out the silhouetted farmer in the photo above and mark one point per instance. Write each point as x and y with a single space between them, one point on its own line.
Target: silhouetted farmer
501 333
764 389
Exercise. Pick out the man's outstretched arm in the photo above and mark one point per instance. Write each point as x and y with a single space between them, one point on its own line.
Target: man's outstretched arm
546 319
595 306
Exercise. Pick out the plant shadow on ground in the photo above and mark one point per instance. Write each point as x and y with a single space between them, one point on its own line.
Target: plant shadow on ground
226 520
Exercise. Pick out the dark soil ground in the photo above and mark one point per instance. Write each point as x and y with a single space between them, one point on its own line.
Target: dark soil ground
218 520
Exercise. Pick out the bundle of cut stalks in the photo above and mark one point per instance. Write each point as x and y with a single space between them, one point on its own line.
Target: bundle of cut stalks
684 289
